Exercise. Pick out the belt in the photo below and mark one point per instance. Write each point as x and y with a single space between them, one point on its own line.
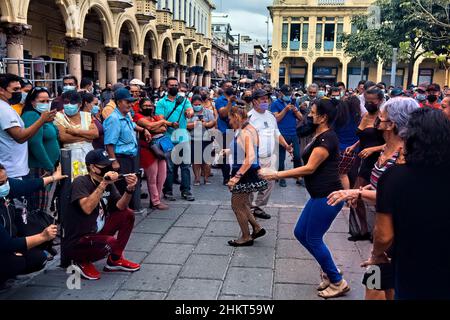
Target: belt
129 156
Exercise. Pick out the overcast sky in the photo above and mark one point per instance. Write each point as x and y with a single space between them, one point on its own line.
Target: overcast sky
247 17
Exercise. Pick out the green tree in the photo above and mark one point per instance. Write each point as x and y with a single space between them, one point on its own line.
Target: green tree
398 26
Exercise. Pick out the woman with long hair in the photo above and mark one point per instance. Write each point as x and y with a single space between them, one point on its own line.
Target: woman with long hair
321 158
90 103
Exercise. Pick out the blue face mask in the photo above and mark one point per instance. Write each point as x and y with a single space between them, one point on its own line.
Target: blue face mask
287 99
42 107
337 97
264 106
95 109
71 109
4 189
421 97
320 94
69 88
198 108
24 96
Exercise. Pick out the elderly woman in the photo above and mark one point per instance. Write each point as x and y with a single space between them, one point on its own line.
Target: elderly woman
392 121
76 130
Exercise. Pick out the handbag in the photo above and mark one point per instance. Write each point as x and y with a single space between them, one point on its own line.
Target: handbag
161 147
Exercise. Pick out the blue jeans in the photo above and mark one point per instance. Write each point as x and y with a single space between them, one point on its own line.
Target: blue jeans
282 152
314 222
185 174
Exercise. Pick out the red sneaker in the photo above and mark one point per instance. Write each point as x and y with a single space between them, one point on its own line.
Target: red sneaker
121 265
87 270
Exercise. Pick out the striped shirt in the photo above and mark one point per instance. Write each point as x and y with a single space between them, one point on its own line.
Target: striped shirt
379 169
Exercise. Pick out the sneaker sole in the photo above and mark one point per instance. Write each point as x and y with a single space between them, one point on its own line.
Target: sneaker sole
119 268
80 271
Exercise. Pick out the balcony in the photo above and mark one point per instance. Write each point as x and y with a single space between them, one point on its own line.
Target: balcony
179 29
145 11
331 2
328 45
198 41
119 6
163 20
206 44
190 36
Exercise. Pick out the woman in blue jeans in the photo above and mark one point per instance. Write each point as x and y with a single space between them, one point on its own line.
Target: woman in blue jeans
321 158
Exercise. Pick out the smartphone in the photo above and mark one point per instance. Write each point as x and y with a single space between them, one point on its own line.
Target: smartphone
200 117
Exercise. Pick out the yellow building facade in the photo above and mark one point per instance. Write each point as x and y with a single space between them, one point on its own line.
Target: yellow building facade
307 47
110 40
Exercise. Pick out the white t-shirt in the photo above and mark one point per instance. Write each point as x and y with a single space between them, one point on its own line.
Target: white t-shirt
363 104
13 155
267 127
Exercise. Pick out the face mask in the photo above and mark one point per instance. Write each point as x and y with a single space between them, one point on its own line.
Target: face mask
421 97
248 99
71 109
4 189
69 88
42 107
320 94
104 171
342 94
337 98
147 112
229 91
383 91
371 107
16 98
173 92
198 108
95 109
287 99
432 98
24 96
204 97
264 106
182 94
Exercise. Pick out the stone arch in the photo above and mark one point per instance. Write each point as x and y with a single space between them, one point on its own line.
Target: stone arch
133 28
190 57
166 50
206 62
180 56
150 31
106 19
198 59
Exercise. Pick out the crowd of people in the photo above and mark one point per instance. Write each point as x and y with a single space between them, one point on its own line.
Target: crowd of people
379 150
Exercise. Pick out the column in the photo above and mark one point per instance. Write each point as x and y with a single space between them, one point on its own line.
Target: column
192 79
14 44
111 64
415 76
207 79
74 60
200 80
157 73
379 71
171 69
344 72
137 65
183 73
274 73
101 63
287 79
309 73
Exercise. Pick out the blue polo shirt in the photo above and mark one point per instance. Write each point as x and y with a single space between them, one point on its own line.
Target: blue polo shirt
119 131
223 123
287 126
164 107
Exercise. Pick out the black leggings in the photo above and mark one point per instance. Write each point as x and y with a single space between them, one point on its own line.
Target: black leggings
12 265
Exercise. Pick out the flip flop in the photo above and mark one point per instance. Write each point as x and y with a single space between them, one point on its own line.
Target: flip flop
335 291
233 243
259 234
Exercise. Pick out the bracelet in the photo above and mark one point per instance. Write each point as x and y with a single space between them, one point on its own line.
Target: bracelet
238 175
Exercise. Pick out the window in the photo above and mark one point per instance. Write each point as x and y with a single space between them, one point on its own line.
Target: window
284 38
329 19
190 15
295 36
185 11
340 31
179 10
159 4
319 36
354 29
329 37
173 8
305 36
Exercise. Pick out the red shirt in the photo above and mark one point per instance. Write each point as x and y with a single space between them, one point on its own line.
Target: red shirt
146 156
435 105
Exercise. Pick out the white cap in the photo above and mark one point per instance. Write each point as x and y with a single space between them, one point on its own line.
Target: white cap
137 82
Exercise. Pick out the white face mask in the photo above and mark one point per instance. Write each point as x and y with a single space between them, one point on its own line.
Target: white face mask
182 94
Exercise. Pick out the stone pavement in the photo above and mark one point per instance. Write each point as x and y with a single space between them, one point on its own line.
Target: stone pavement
185 255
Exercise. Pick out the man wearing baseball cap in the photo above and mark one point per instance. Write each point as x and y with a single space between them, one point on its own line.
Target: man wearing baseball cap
433 96
96 212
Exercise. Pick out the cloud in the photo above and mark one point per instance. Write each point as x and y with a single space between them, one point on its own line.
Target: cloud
247 17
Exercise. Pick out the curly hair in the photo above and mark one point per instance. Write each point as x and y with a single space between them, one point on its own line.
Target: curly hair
427 138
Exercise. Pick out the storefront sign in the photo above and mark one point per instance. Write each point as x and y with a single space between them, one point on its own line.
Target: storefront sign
57 53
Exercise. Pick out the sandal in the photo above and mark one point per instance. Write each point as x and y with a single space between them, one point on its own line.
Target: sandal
325 283
234 243
335 290
259 234
196 183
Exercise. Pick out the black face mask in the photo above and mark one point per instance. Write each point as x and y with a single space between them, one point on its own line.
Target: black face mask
371 107
104 170
229 92
173 92
204 97
432 98
16 98
248 99
147 112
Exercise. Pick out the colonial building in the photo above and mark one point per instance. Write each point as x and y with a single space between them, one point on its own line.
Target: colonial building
222 50
307 47
109 40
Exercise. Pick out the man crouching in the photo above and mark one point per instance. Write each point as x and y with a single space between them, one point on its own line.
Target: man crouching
95 214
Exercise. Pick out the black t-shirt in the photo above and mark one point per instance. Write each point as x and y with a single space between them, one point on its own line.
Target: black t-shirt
76 223
417 199
325 179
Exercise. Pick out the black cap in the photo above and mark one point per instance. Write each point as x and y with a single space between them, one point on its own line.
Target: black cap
260 93
99 157
286 90
397 92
